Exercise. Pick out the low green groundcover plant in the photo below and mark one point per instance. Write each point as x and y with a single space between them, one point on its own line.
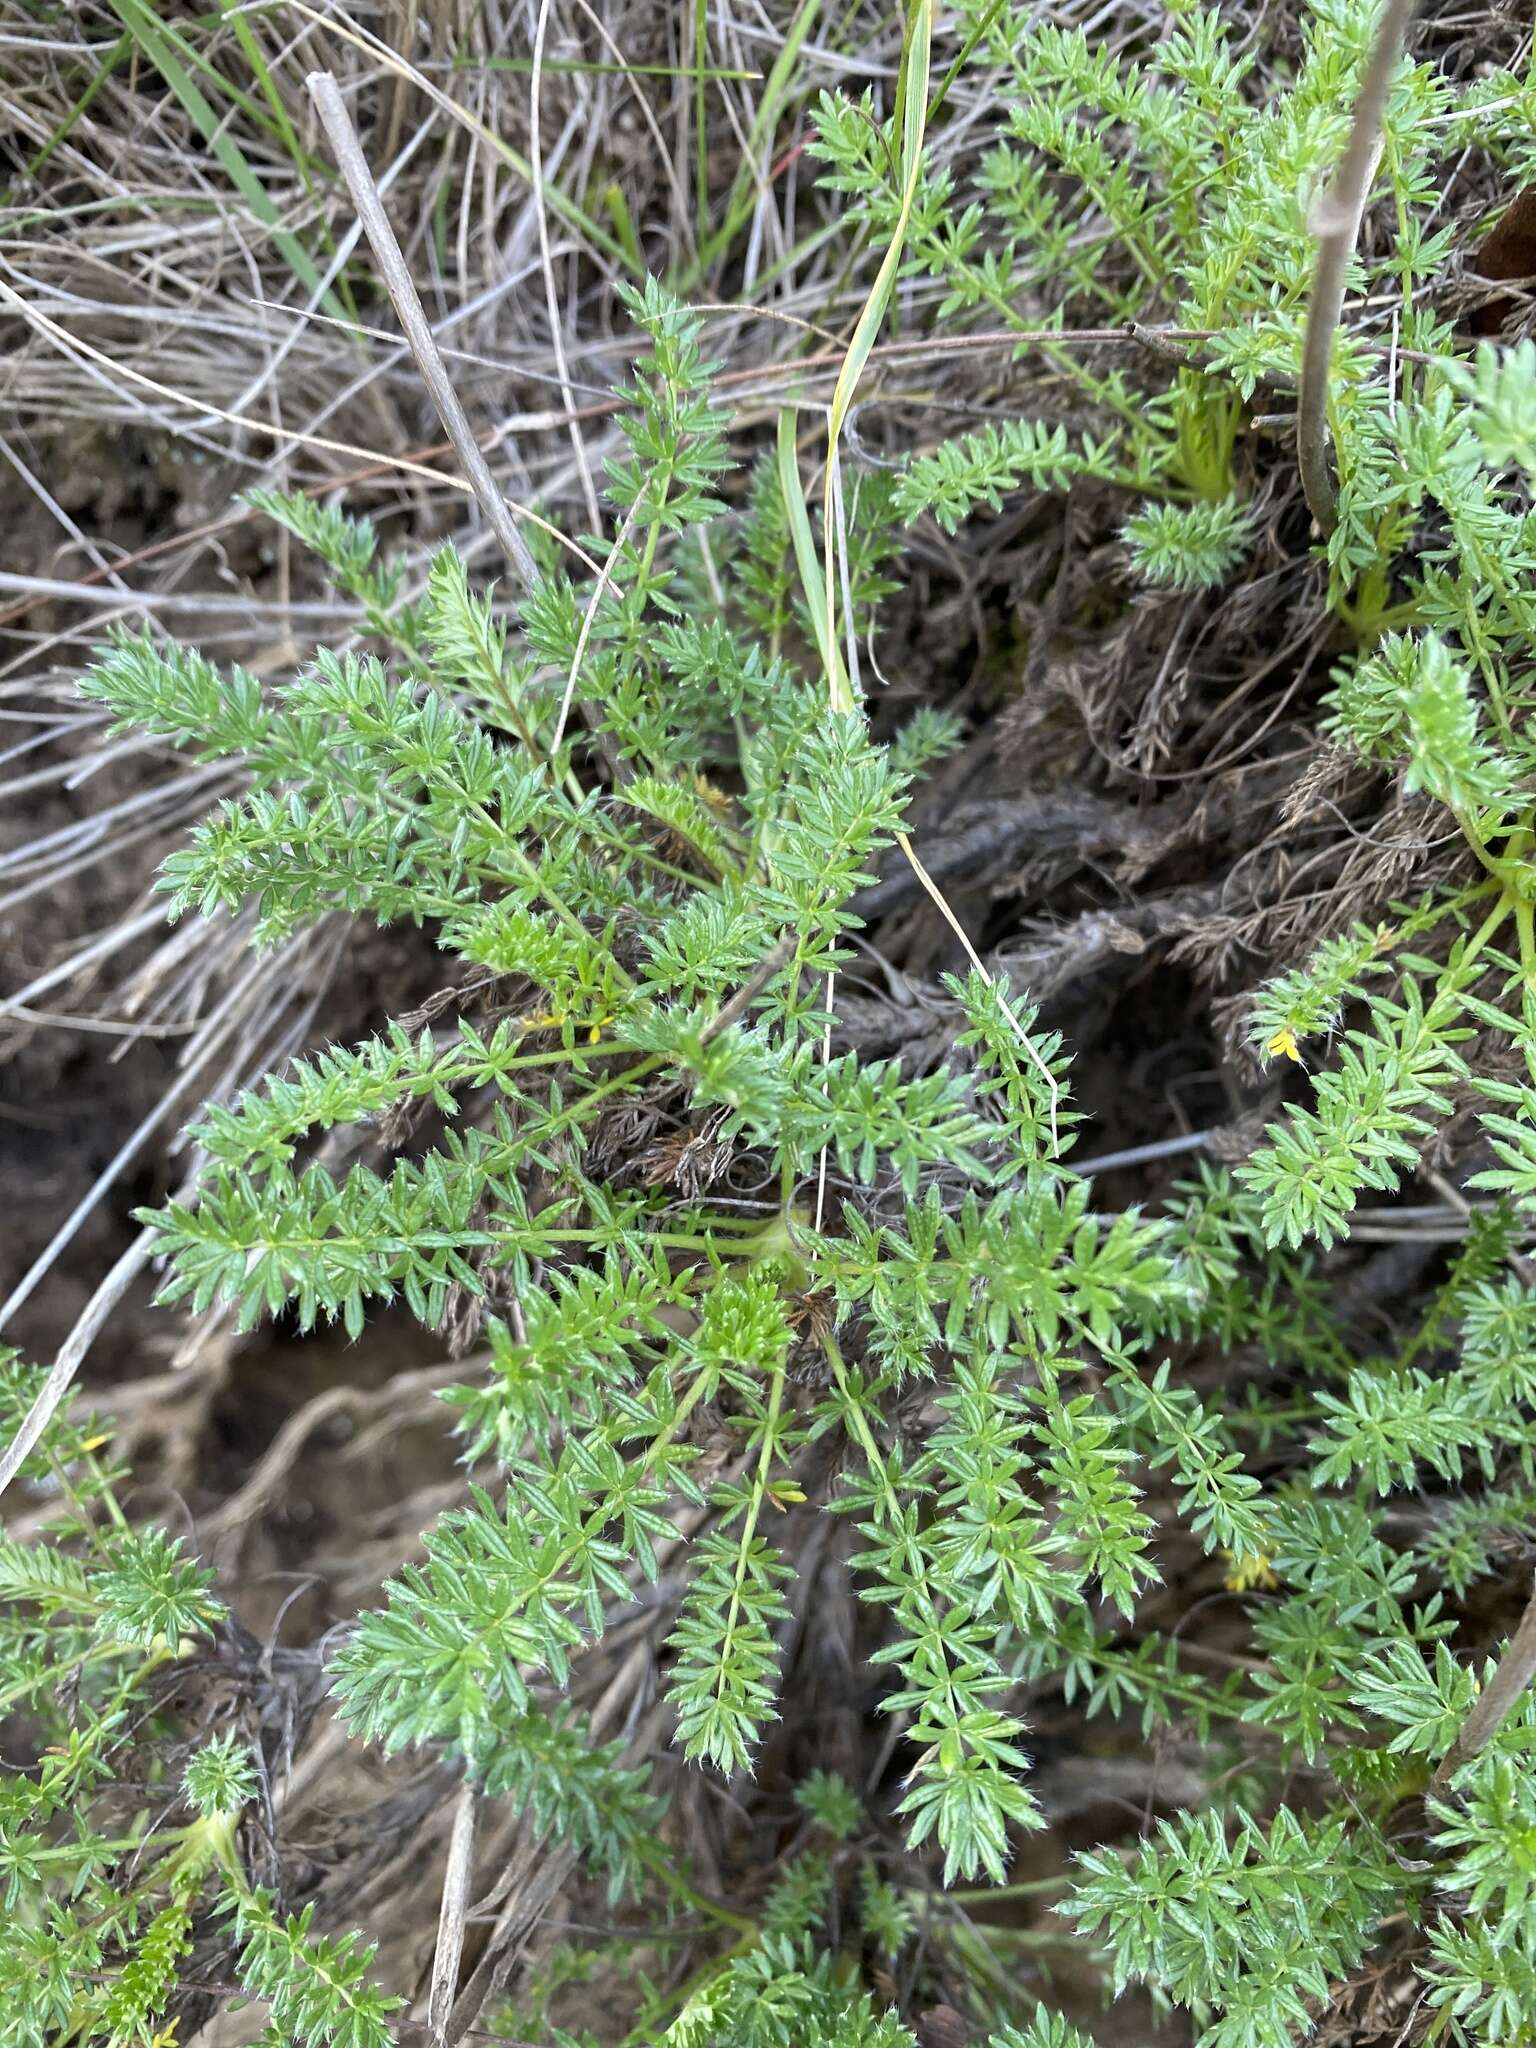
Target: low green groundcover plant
637 803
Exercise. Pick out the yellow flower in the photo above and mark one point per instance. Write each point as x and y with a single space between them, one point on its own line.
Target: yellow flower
1246 1574
1283 1045
554 1020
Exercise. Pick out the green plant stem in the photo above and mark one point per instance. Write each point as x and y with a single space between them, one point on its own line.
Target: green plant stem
658 1865
997 1895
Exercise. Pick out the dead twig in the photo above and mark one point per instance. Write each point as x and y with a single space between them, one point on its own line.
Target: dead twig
62 1372
1496 1702
750 990
1337 226
454 1912
353 165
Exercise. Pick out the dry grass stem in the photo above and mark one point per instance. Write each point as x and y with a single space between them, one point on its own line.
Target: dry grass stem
1337 226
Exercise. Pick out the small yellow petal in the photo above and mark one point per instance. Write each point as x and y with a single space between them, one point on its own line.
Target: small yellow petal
1247 1573
1283 1045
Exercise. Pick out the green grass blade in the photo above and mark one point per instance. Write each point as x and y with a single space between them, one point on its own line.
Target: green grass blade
968 49
237 19
806 558
743 193
108 65
160 47
218 84
245 36
700 121
624 223
911 127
